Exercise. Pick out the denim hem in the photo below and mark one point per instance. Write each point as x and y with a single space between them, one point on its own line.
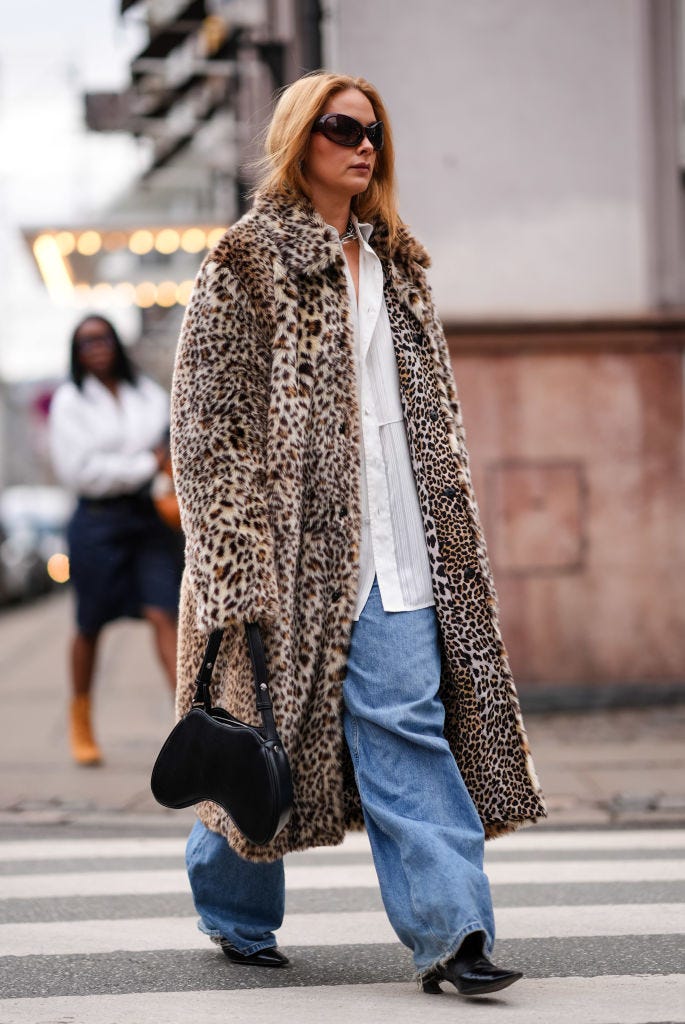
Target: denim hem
218 938
422 972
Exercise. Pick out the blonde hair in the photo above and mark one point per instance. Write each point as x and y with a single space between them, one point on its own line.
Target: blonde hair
287 139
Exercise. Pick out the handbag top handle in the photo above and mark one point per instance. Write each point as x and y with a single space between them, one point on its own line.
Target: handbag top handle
202 696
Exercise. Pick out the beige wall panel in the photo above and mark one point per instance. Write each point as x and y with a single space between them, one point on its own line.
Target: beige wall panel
579 467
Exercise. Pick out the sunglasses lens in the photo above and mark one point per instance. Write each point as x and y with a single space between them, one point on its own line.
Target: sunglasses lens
343 129
91 340
375 135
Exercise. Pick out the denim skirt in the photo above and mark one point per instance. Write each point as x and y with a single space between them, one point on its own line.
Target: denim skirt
123 559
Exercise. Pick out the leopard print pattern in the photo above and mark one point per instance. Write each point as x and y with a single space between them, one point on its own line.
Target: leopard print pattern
479 723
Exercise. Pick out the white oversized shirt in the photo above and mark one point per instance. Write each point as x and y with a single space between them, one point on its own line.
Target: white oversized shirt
393 543
101 446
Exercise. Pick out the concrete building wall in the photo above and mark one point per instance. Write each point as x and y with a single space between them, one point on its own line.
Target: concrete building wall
538 160
523 135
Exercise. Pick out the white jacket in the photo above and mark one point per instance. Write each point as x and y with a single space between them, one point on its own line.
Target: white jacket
102 446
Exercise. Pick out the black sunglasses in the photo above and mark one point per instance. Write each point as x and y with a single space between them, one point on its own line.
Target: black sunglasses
347 131
90 340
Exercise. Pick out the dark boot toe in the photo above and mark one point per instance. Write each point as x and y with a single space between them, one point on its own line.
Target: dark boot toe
474 977
271 957
480 978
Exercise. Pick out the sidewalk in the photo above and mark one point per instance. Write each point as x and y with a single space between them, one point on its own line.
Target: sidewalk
599 768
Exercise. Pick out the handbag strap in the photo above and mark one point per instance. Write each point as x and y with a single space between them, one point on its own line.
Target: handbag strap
259 676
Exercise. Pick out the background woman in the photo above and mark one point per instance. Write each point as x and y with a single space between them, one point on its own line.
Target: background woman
108 430
325 493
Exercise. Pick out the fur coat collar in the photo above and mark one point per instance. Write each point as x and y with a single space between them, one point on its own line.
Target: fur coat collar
318 246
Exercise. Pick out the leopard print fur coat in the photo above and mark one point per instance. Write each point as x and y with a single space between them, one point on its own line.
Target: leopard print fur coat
266 448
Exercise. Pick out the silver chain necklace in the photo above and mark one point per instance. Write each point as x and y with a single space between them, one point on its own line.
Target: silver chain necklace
350 233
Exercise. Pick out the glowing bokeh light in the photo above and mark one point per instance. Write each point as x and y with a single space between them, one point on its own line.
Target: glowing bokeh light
183 292
58 568
193 240
66 243
53 268
167 241
125 293
214 237
89 243
101 292
141 242
146 294
166 293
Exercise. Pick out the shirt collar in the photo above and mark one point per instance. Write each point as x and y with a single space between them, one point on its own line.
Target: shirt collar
364 230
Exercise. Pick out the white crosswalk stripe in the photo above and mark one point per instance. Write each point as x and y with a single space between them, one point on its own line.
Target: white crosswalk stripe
338 876
82 937
56 938
630 1001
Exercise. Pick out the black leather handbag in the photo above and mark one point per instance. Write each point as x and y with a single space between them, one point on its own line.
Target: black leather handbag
210 755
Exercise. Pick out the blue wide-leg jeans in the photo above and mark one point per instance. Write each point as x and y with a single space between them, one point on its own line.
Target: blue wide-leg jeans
426 837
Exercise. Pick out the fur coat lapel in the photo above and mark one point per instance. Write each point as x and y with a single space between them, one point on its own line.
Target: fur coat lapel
317 249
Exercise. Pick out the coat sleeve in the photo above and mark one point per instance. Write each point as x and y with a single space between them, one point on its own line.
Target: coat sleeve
219 407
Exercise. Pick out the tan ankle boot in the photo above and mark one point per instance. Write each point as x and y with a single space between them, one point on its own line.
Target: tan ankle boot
84 749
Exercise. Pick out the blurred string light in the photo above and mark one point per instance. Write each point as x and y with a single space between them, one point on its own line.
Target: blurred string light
66 243
193 240
124 293
167 241
146 294
141 242
183 292
89 243
214 237
102 292
53 268
52 252
166 294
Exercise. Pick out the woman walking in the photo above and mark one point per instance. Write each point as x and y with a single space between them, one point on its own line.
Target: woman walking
108 436
325 492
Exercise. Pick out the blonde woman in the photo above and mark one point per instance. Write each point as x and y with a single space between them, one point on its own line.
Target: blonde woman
321 467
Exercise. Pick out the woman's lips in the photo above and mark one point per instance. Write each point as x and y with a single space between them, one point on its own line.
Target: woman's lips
361 167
